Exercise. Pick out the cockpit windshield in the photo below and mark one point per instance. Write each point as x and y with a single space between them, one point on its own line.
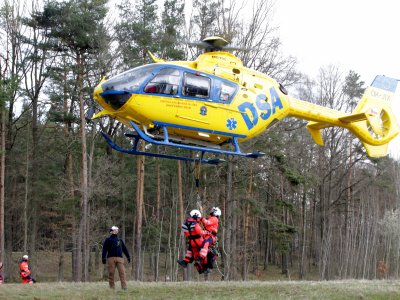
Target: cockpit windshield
129 80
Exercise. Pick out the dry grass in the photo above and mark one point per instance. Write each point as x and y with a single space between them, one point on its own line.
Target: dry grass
350 289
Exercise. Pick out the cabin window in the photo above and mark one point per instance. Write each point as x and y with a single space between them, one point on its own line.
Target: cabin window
165 82
196 86
227 91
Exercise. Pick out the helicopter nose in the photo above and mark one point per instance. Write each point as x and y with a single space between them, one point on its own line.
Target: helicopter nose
114 98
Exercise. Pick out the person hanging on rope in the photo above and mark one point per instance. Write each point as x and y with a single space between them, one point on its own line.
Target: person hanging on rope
1 273
192 230
210 224
25 272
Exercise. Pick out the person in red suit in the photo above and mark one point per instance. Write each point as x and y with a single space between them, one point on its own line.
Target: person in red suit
24 271
211 226
1 273
192 230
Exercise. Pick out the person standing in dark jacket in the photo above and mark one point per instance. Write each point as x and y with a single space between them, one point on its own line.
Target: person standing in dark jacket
113 248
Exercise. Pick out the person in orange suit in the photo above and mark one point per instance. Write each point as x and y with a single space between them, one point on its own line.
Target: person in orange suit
1 273
211 226
192 230
24 271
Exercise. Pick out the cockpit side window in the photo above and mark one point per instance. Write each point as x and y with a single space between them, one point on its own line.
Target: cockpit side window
227 91
165 82
196 86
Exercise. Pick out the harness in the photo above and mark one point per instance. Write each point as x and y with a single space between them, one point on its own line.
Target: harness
190 225
194 237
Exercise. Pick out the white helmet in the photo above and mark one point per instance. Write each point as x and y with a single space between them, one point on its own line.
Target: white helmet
114 228
25 257
215 211
195 214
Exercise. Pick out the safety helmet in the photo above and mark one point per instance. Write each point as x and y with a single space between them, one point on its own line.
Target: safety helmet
195 214
215 211
25 257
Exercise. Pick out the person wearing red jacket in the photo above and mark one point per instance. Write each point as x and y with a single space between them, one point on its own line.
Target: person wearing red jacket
211 226
24 271
193 231
1 273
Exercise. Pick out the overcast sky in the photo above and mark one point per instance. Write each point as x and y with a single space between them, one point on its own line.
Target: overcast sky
363 36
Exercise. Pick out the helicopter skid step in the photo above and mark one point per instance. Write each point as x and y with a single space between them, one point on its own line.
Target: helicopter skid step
178 139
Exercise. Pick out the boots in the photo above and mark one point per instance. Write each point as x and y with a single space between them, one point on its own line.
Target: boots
182 263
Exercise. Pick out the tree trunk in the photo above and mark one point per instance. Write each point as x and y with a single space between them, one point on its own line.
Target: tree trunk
157 214
157 258
89 194
228 242
96 267
68 171
26 198
284 253
74 250
34 206
303 240
139 212
181 216
246 222
158 196
2 180
61 260
82 246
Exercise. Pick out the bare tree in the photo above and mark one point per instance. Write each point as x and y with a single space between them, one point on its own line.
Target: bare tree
11 59
140 169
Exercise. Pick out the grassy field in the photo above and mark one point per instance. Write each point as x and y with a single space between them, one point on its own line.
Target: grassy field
350 289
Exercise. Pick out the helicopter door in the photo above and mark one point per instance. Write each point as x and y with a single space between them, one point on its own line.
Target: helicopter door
196 86
162 90
197 108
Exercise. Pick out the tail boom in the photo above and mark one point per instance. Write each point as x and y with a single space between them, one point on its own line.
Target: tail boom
372 121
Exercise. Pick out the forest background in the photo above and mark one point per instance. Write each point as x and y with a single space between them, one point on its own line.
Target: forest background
312 212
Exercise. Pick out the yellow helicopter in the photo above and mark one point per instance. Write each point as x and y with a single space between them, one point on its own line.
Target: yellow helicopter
205 104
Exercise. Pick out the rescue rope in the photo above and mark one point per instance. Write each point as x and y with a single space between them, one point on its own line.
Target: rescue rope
218 255
197 180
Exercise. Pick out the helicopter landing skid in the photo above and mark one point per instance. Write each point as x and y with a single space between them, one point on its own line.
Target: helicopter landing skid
141 135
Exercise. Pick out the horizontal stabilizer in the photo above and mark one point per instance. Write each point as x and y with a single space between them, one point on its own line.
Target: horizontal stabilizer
376 151
354 118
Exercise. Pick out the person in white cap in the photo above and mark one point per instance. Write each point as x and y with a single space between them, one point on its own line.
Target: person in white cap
113 248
